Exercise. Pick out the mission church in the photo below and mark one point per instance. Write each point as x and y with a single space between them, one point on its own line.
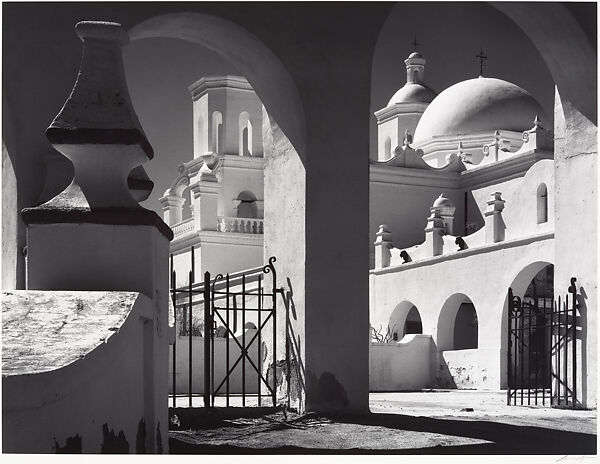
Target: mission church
461 210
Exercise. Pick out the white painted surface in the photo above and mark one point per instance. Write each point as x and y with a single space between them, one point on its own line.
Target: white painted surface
117 383
403 365
220 364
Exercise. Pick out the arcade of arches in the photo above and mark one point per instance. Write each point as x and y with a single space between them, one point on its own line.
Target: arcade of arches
309 143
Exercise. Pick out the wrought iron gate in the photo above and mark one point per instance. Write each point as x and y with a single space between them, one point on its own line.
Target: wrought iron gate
237 327
542 350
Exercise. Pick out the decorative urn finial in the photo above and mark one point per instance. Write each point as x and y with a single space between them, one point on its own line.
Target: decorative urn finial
97 128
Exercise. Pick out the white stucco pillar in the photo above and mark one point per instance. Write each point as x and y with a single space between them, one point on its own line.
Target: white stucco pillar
383 246
434 232
205 200
94 236
494 224
172 206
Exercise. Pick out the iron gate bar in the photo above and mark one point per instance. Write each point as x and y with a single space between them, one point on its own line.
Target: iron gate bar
190 277
545 330
227 350
243 341
207 325
241 349
259 386
173 298
184 299
573 291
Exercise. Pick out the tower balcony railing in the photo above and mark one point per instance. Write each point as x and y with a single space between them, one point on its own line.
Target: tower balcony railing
183 228
240 225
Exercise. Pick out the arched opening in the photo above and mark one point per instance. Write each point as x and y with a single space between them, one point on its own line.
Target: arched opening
534 280
530 360
458 326
387 148
465 327
217 132
186 209
542 204
245 134
247 207
200 138
404 320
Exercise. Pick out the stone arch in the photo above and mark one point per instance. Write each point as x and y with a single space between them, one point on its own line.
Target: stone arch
519 284
255 61
403 313
457 309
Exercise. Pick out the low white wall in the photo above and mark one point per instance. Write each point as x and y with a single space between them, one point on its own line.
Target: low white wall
108 401
469 369
220 347
403 365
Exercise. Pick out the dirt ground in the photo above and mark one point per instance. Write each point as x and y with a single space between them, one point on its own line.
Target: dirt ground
436 422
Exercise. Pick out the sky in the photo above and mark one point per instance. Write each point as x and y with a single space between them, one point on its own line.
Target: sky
158 72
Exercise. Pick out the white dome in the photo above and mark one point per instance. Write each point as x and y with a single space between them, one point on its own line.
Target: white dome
413 93
478 105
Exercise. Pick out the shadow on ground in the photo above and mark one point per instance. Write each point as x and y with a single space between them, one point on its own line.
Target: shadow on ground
501 438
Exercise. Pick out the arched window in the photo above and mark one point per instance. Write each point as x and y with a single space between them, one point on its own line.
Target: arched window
247 207
404 320
542 204
465 327
217 132
387 148
201 137
458 326
245 134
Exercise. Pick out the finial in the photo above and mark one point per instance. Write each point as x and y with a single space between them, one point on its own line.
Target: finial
537 122
497 135
481 57
414 43
407 138
97 128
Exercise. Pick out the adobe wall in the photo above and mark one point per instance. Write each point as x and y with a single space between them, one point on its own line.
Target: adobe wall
484 277
86 405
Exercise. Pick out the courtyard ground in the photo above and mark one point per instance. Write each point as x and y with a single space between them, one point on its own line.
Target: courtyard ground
432 422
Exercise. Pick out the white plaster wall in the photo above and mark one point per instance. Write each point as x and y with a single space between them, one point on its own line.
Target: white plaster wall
483 275
520 195
403 365
220 358
236 179
405 209
576 209
93 257
285 224
221 258
9 223
468 369
237 101
109 386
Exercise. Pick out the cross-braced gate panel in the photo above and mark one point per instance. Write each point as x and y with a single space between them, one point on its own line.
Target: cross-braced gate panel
227 326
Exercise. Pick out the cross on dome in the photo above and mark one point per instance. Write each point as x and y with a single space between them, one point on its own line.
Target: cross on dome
414 43
481 57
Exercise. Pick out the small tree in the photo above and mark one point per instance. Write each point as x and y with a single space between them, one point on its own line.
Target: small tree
378 336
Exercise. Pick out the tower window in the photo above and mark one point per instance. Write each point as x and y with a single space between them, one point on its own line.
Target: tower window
542 204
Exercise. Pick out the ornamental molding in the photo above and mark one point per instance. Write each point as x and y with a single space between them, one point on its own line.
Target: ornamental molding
389 112
201 86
